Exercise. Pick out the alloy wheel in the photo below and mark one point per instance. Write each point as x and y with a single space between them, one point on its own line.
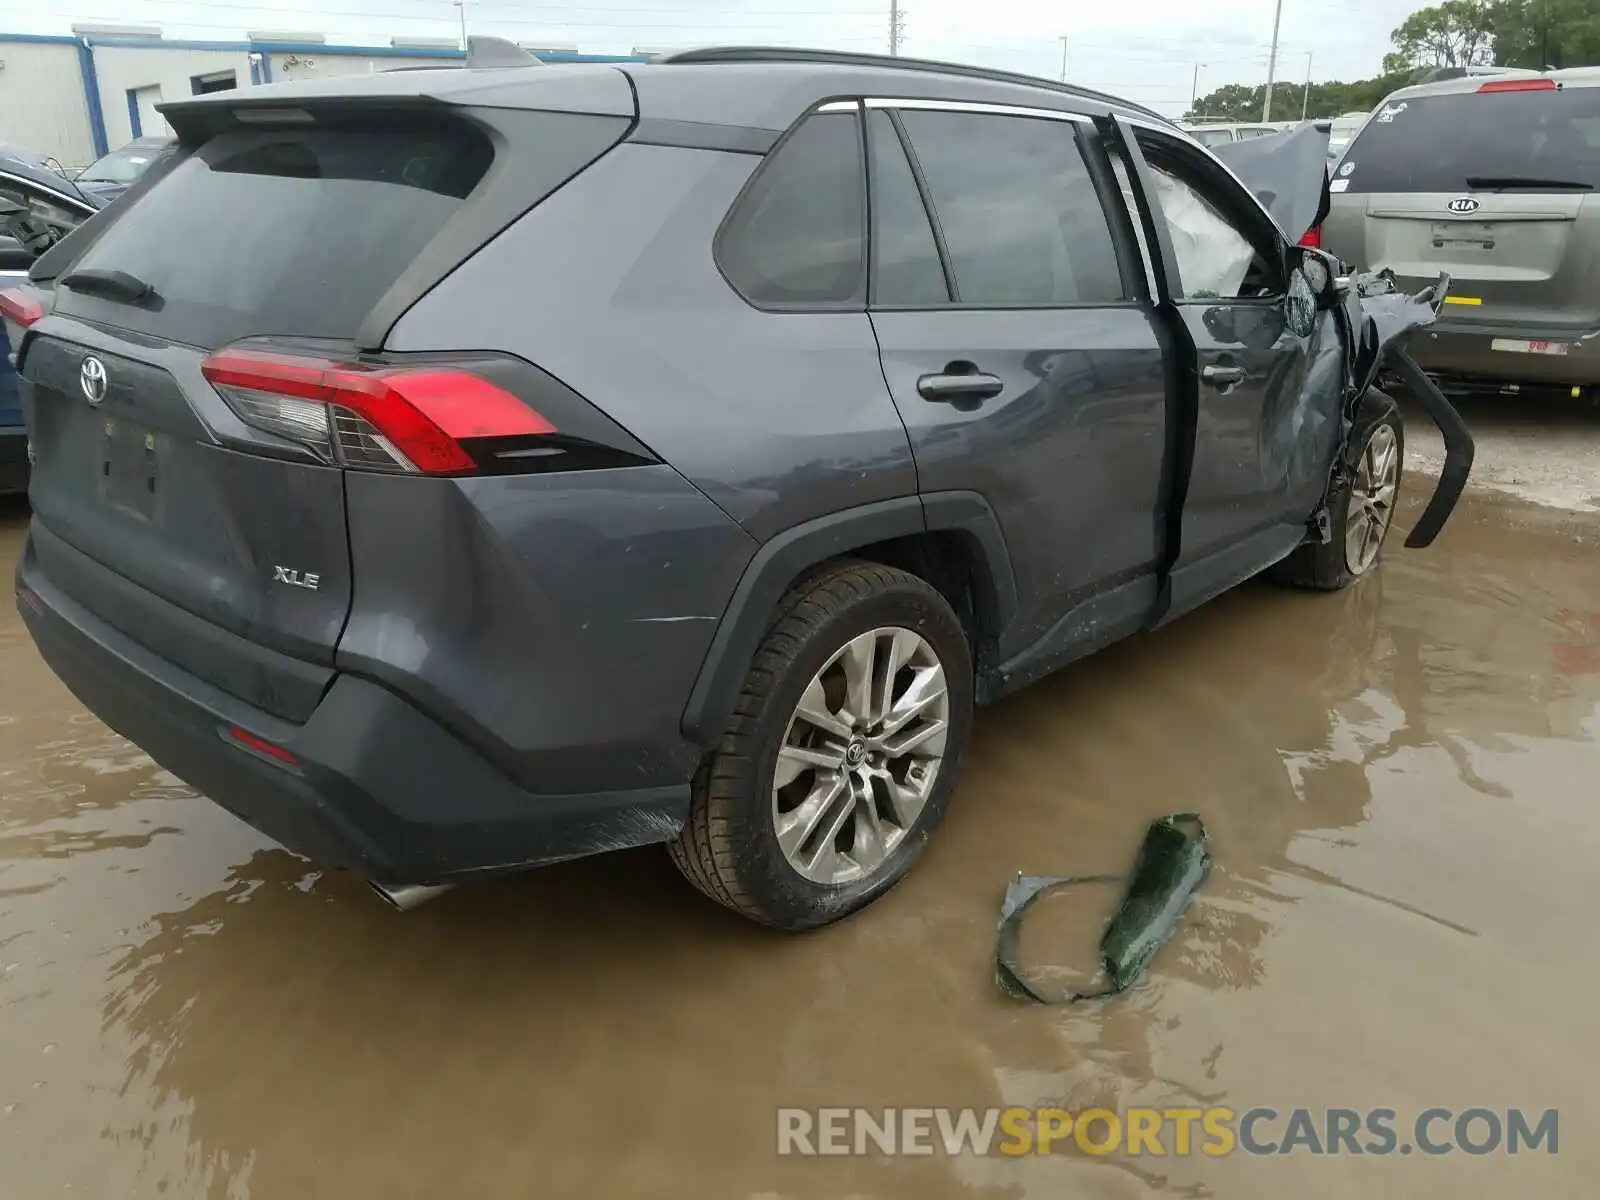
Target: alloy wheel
1372 498
860 756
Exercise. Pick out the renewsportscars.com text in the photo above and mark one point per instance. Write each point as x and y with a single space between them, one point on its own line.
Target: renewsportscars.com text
1157 1132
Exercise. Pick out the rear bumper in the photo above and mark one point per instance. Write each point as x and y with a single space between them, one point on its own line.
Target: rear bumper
377 786
1466 355
13 459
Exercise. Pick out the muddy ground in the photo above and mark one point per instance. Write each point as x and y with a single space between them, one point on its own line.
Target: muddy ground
1400 784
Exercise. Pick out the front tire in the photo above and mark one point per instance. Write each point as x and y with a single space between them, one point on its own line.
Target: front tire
841 754
1360 508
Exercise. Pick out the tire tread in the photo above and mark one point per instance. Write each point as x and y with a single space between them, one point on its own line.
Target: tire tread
705 851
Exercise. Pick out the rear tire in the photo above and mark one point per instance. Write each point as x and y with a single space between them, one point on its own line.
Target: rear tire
1360 508
802 840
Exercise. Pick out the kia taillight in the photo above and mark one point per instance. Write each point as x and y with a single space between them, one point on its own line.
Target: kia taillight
1518 85
1313 238
376 417
17 306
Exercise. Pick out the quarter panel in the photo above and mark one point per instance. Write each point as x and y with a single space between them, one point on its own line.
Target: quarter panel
610 285
555 621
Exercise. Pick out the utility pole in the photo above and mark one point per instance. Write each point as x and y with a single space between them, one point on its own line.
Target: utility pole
461 7
1063 60
1272 64
894 27
1194 88
1305 104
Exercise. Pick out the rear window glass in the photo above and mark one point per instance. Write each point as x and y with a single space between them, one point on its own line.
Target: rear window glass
291 232
1433 143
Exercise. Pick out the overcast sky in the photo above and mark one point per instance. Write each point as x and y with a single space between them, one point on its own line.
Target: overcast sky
1143 49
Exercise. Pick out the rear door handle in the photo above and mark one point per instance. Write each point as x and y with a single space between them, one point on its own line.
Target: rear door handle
1222 377
959 381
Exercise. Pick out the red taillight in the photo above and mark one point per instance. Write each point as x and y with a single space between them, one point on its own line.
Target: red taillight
383 418
16 305
1313 238
1518 85
261 746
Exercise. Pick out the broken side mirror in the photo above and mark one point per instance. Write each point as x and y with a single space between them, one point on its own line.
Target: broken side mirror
1300 306
1324 272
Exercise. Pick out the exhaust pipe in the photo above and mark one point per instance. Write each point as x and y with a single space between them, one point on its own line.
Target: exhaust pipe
405 897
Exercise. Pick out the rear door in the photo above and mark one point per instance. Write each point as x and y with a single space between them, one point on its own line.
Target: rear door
1496 186
1021 353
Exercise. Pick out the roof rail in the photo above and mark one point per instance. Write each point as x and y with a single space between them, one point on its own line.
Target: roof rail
846 58
1443 74
497 52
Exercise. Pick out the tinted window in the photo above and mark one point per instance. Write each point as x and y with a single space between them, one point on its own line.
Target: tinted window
907 258
1021 219
798 234
1214 137
286 231
1432 143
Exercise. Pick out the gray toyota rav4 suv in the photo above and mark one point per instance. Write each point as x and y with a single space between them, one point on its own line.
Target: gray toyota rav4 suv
454 471
1492 179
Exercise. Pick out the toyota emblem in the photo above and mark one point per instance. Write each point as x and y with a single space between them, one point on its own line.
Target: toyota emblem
92 379
1463 205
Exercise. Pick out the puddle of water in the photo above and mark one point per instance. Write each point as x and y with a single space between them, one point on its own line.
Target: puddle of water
1398 916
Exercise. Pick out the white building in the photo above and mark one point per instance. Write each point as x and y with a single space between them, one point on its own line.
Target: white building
76 97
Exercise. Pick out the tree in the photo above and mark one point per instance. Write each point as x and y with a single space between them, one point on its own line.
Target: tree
1236 102
1547 33
1456 33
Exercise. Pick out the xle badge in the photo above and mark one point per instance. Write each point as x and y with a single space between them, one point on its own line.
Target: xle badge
294 579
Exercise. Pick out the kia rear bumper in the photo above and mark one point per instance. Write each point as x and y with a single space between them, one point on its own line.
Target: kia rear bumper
369 782
1478 358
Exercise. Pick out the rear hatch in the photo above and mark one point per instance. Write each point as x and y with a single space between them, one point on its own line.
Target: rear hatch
197 389
1496 186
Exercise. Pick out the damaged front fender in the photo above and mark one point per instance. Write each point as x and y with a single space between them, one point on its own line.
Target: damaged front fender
1378 319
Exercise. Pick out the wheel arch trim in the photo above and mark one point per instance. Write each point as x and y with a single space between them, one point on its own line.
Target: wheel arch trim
784 557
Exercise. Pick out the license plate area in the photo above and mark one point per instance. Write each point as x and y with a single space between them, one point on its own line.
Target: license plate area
1463 234
129 462
1530 346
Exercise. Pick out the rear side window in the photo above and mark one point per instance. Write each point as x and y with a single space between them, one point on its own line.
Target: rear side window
1020 216
797 236
1434 143
906 268
292 232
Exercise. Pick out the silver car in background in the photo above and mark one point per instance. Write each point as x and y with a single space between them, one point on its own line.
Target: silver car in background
1493 181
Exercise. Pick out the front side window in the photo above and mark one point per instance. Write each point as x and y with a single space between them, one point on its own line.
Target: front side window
797 235
1021 218
1219 252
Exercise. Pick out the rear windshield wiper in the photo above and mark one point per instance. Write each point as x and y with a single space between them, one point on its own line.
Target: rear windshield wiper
110 285
1527 181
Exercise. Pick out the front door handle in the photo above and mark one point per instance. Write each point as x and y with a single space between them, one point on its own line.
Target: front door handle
959 381
1222 377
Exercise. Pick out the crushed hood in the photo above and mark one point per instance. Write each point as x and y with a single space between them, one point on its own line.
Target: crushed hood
1288 172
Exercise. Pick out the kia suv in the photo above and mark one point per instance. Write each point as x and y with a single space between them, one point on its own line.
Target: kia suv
454 471
1491 179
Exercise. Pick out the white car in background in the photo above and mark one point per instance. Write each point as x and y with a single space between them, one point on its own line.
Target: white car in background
1219 133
